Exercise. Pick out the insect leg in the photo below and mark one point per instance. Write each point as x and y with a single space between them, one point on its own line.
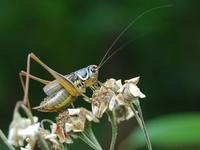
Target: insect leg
86 98
25 86
67 84
23 73
27 102
22 81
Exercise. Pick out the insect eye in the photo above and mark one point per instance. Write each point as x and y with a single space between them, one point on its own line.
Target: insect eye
93 69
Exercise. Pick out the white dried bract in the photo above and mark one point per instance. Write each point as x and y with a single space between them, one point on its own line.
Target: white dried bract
21 128
113 84
26 133
130 90
48 136
30 134
117 97
72 121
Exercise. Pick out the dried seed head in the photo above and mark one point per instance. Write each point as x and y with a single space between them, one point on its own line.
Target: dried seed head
122 113
133 80
130 90
113 96
50 138
113 84
101 100
60 129
72 121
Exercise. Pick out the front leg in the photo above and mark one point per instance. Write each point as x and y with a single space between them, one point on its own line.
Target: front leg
86 98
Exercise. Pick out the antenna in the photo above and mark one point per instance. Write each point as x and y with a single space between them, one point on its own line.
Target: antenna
114 52
126 28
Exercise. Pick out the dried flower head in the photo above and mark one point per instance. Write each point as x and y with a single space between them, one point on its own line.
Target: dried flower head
43 138
102 101
21 128
72 121
122 113
115 97
130 90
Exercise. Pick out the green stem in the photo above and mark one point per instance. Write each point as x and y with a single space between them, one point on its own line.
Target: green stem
28 113
4 144
64 146
89 138
25 109
43 143
113 122
85 139
141 124
89 132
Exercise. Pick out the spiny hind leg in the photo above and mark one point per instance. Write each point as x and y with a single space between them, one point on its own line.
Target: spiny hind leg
23 73
67 84
25 85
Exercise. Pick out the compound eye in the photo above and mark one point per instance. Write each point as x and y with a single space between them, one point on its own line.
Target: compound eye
93 69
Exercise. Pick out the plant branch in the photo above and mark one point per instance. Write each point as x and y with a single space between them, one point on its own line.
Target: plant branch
113 122
142 124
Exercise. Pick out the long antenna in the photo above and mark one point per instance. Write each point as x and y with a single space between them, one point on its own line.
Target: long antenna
114 52
128 26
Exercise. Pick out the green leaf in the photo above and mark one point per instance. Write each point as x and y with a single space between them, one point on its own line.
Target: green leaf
4 145
177 130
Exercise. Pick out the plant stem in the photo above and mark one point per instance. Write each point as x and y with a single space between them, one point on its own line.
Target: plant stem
43 143
113 122
28 113
89 138
89 132
142 124
4 144
88 141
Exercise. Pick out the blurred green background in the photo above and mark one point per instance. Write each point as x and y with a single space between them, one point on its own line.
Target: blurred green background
69 35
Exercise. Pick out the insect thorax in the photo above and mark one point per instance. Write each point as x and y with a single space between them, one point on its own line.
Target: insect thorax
86 77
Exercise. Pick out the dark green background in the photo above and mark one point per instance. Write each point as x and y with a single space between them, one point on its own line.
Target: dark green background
69 35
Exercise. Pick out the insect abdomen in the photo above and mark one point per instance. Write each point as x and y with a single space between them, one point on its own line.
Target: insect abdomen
56 102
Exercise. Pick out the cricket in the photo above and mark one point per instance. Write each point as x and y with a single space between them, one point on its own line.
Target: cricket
64 89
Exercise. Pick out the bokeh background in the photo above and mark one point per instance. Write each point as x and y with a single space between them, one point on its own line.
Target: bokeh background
69 35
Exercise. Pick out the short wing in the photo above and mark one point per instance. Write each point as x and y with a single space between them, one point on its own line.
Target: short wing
66 83
52 87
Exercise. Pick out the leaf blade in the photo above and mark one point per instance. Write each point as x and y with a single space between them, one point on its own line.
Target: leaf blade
170 131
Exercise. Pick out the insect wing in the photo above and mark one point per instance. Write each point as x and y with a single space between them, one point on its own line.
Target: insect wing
67 84
52 87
